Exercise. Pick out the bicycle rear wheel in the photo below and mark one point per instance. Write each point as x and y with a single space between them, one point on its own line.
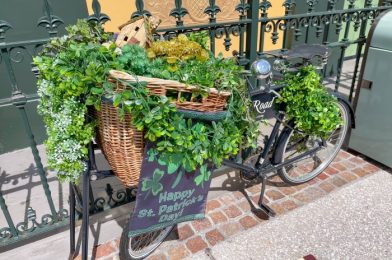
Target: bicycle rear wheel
293 143
141 246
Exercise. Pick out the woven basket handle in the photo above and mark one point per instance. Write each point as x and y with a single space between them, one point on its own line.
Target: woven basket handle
116 74
121 75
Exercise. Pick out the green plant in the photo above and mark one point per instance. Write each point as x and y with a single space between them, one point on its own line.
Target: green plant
180 48
201 37
74 76
309 104
72 68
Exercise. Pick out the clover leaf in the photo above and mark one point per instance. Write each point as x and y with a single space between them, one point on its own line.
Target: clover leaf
153 185
152 153
204 175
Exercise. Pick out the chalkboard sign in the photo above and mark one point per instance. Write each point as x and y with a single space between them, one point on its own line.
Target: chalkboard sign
168 195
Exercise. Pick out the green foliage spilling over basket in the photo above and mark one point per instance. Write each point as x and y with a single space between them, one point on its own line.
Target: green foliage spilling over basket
141 102
122 143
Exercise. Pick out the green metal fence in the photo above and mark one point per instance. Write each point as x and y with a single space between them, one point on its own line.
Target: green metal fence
323 21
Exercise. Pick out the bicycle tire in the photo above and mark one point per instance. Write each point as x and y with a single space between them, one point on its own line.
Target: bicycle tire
127 252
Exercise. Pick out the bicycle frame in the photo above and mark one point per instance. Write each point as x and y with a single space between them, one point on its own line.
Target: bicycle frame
263 169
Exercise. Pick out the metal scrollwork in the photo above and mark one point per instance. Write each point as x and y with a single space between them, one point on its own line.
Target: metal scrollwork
140 10
5 233
264 6
178 12
311 4
243 8
32 224
17 54
63 214
356 18
117 198
226 31
272 27
331 4
99 205
4 27
387 3
338 21
282 25
371 15
351 4
114 199
98 16
219 32
233 30
289 5
49 21
212 10
368 3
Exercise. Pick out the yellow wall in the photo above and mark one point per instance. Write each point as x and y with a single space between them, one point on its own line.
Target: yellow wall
120 11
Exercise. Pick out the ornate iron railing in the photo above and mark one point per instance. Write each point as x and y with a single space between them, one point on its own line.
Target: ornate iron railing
252 28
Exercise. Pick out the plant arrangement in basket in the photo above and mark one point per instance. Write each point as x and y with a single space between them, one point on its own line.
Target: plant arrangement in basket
308 103
74 76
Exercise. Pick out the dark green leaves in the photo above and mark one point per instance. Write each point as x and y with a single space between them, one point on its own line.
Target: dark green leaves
77 66
307 101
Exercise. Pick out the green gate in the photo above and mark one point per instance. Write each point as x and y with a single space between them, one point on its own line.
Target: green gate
26 25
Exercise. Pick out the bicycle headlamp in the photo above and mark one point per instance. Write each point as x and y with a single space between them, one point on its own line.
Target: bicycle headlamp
261 69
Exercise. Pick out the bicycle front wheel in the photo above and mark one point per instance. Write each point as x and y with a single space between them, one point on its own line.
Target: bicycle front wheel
293 144
141 246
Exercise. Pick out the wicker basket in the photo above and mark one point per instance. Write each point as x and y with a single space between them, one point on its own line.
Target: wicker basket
182 93
121 143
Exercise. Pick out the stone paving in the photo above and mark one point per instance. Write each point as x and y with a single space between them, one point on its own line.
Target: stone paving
235 211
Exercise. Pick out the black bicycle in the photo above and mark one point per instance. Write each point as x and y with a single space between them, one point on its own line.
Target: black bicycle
280 153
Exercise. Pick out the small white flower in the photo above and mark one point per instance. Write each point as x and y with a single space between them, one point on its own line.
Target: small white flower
118 51
107 44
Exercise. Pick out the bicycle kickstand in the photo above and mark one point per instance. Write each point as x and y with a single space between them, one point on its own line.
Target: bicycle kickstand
264 207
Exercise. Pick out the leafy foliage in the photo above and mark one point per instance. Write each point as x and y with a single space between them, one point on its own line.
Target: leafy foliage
309 104
201 38
74 76
71 69
177 49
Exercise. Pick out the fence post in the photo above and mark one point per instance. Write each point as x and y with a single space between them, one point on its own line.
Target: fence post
252 31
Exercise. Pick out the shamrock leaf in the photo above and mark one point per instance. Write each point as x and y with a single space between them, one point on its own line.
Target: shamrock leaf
152 153
199 180
174 163
163 159
204 175
146 184
178 179
153 185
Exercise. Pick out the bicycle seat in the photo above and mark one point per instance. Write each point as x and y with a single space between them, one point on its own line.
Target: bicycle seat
307 51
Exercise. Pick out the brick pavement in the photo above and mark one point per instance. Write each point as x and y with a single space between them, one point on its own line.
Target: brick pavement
235 211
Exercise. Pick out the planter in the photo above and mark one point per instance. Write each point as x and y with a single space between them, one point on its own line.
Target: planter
123 145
